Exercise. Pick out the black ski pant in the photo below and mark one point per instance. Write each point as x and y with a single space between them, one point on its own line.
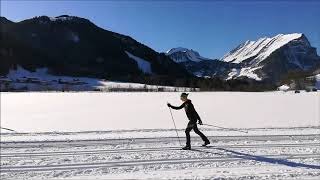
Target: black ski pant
193 125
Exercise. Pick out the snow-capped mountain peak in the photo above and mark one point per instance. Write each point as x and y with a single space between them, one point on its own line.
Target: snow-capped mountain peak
180 49
260 49
62 18
272 58
58 19
181 54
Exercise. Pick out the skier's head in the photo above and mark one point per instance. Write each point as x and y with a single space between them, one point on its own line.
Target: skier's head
184 96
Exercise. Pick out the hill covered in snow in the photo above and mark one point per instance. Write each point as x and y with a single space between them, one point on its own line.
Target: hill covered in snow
74 46
196 64
273 58
268 59
71 46
184 55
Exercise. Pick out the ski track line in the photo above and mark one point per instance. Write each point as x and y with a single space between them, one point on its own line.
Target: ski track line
18 144
81 143
114 151
10 169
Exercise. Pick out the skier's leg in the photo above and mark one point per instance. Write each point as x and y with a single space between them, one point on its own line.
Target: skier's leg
203 137
187 131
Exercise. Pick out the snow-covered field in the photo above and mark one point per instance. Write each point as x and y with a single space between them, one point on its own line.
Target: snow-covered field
131 136
39 112
156 154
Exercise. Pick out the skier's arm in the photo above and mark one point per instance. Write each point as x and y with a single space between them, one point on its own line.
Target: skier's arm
176 107
198 117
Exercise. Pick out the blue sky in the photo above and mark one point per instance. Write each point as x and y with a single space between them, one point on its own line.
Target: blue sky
210 27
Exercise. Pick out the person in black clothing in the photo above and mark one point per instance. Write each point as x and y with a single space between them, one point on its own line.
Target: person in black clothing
193 116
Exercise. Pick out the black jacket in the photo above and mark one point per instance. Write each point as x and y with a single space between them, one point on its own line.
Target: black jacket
190 111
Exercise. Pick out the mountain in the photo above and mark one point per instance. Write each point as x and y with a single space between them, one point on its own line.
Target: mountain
184 55
209 68
74 46
196 64
271 59
4 20
259 49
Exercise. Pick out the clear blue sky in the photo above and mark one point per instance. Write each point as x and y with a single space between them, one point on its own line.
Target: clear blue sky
211 27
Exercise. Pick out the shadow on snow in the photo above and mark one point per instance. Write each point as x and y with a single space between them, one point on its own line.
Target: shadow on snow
236 154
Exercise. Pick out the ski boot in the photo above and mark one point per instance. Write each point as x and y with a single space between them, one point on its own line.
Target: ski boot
186 148
206 143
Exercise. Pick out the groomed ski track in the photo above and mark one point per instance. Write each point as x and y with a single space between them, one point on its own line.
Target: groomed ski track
235 157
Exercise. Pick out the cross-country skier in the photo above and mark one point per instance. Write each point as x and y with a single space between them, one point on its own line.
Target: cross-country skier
193 116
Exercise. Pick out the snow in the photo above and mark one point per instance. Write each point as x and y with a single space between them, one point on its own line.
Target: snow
284 87
199 73
264 156
261 48
10 137
214 173
61 18
144 65
187 55
318 81
127 111
131 136
244 72
277 42
51 82
175 50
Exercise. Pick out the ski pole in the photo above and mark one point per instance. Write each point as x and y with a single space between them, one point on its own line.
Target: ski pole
8 129
232 129
174 125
